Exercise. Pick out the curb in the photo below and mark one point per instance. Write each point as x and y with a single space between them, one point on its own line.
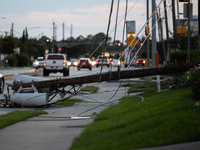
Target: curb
36 74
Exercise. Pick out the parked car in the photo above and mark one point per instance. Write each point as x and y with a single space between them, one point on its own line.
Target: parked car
84 63
73 62
104 59
2 83
39 63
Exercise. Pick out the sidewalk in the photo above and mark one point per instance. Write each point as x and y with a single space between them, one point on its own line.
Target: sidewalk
62 124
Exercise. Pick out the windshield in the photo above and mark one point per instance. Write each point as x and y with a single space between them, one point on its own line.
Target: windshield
55 57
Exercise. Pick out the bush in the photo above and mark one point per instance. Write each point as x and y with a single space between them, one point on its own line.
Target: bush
181 56
12 61
23 59
194 77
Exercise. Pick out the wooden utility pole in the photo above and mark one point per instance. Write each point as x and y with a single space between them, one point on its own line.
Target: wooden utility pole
106 76
167 33
173 16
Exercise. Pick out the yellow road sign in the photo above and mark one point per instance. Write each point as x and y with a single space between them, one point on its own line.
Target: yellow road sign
129 40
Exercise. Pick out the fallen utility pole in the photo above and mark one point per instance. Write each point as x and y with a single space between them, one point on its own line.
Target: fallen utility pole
106 76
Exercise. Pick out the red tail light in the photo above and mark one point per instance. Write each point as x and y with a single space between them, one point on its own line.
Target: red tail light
143 61
44 62
138 62
78 62
107 61
97 61
64 63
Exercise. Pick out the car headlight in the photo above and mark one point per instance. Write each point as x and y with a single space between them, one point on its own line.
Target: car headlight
69 63
37 63
75 63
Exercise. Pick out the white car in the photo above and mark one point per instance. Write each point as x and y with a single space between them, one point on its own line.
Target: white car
115 63
38 63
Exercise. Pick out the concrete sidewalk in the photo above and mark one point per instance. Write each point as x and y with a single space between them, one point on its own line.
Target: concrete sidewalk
58 129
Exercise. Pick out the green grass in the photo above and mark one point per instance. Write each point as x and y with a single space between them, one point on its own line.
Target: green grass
159 121
92 89
68 102
147 88
16 116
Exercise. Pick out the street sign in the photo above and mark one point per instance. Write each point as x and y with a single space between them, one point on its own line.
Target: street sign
129 40
130 27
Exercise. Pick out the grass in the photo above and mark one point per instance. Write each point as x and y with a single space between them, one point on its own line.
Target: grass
16 116
146 87
92 89
68 102
164 118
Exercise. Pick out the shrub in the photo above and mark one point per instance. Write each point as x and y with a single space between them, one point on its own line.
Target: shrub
194 78
23 59
12 61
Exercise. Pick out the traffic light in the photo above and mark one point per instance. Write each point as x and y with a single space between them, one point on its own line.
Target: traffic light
119 44
60 49
147 30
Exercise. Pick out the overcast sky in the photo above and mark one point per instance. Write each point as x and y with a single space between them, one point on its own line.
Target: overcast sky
86 16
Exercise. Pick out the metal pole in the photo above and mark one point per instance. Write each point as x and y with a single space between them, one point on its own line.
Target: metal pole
153 46
148 37
188 31
178 13
53 38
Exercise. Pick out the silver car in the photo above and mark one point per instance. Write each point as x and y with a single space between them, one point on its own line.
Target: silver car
38 63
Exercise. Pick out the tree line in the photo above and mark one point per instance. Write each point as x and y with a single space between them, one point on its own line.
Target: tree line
31 48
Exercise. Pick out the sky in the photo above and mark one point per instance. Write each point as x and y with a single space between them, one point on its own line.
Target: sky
84 17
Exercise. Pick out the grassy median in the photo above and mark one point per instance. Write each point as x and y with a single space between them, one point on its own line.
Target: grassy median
18 115
162 119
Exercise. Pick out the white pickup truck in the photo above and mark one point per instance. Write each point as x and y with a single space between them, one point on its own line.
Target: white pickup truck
55 62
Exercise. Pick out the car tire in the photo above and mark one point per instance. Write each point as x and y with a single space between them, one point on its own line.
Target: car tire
97 66
68 72
64 72
45 72
90 68
2 85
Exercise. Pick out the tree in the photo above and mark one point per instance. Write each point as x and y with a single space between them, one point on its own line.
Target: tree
8 45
